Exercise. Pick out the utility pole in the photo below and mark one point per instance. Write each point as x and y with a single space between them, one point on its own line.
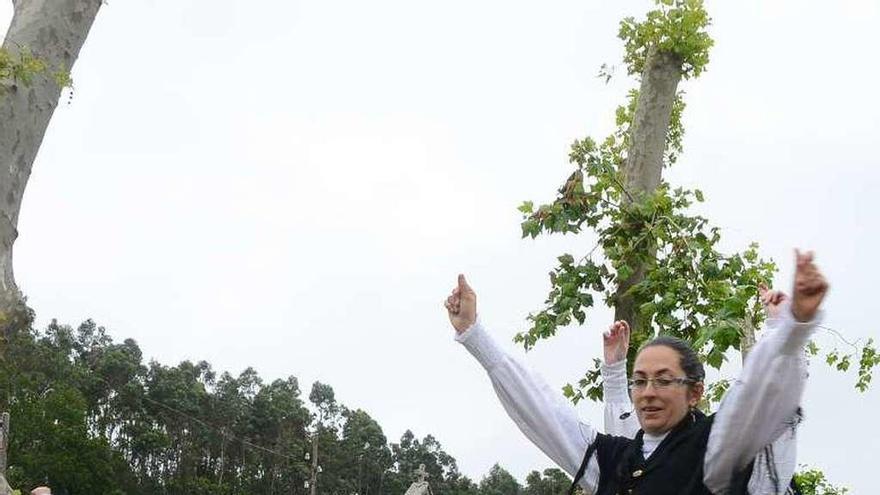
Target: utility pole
313 485
4 442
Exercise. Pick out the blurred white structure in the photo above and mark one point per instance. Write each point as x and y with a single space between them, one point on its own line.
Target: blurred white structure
420 487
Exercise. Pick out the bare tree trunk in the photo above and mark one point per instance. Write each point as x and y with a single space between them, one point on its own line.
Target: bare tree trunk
644 159
53 31
222 457
747 336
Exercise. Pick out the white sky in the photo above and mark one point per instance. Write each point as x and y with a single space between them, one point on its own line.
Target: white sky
294 185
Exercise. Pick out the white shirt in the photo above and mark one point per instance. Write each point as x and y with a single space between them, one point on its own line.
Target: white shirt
762 402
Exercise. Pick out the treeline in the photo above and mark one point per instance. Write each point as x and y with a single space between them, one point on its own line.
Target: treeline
90 417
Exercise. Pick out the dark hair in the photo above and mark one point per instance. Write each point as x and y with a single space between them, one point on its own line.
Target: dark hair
688 359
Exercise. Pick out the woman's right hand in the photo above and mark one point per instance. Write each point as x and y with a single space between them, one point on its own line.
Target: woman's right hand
616 342
462 306
772 300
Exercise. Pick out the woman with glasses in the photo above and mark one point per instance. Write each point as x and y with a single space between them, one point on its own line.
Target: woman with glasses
773 468
677 450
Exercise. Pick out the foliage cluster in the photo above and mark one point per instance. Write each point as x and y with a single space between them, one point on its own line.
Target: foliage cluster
690 288
813 482
90 416
677 27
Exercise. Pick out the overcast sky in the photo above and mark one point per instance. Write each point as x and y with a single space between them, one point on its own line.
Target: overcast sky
293 186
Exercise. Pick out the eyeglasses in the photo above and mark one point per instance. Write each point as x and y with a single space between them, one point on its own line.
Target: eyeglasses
659 383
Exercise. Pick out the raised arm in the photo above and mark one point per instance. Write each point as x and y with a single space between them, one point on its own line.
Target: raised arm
768 391
540 412
775 464
619 413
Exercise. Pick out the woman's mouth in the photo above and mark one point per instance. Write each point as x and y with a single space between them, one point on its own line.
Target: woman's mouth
651 409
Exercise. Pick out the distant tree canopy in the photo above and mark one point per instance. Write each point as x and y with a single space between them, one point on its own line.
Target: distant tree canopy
500 482
90 416
552 482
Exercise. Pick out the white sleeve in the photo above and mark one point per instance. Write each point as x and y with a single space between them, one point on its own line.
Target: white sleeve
620 417
541 413
775 464
765 396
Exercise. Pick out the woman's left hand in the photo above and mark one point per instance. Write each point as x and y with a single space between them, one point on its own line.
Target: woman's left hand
810 287
616 342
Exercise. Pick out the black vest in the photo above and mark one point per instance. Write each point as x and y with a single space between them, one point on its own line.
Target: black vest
674 468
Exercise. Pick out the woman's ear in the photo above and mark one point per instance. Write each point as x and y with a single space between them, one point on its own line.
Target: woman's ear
695 393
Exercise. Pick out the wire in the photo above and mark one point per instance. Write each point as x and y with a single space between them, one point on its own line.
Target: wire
209 426
840 336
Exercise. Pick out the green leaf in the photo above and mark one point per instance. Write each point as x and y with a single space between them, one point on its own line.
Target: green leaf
530 228
527 207
831 358
715 358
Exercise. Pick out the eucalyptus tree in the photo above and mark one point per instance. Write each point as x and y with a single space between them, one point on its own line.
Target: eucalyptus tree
47 391
93 417
43 42
553 482
499 482
443 475
365 455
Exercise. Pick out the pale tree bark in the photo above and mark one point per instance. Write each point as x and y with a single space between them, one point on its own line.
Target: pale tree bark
747 336
644 159
53 31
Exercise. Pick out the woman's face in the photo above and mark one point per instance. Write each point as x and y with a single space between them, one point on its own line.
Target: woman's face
660 409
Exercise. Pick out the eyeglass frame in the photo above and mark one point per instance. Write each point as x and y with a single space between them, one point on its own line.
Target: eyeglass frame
657 382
